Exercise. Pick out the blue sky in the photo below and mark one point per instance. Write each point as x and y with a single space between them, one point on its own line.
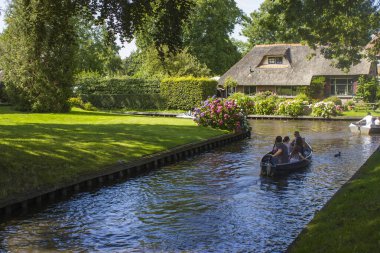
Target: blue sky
246 5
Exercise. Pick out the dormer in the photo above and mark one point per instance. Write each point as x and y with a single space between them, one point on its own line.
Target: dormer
276 57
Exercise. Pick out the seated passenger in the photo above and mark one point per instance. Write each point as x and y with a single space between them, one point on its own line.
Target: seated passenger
304 143
298 151
286 141
281 154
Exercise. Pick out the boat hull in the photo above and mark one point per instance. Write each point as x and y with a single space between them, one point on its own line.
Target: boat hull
275 170
360 129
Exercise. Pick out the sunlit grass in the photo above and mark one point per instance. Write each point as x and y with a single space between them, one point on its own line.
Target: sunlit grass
351 220
43 150
360 113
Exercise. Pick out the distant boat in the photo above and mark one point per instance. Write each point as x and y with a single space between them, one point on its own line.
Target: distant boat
364 129
186 115
273 170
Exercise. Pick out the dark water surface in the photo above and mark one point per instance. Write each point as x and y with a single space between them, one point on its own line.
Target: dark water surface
216 202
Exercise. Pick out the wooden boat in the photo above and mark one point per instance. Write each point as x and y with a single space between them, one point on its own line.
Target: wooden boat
268 168
364 129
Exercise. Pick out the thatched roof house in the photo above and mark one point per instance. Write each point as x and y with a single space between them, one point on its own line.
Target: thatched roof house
284 67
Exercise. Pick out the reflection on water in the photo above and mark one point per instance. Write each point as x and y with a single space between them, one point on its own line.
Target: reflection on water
216 202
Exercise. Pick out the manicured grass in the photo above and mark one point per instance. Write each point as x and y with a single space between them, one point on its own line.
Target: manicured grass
350 222
360 113
41 150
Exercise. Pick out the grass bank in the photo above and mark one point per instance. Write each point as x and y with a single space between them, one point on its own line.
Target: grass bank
359 113
40 150
350 222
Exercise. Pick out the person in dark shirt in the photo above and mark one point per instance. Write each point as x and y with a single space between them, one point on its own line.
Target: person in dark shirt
280 152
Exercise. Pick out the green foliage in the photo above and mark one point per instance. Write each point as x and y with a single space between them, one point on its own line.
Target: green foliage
120 92
324 109
96 53
187 92
302 97
334 99
207 34
268 25
350 103
244 101
316 88
37 49
78 102
291 107
230 83
343 27
367 88
180 64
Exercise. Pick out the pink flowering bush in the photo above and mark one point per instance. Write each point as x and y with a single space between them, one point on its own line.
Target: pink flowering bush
223 114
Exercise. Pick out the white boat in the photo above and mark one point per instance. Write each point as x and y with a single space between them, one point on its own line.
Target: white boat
186 115
364 129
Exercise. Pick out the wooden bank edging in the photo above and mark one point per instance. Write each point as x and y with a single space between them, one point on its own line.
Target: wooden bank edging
115 172
353 177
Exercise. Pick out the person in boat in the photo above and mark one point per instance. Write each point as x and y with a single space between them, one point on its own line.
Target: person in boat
298 135
377 121
297 153
286 141
280 152
367 119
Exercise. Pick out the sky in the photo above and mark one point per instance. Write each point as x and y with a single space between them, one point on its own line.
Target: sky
246 5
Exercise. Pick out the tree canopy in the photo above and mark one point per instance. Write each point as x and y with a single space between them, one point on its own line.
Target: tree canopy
39 46
268 25
341 27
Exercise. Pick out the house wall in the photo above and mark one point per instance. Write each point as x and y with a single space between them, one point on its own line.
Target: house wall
265 88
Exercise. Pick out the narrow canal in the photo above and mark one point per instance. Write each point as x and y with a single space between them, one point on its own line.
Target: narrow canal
216 202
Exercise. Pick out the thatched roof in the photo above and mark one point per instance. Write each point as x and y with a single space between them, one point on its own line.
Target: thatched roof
302 64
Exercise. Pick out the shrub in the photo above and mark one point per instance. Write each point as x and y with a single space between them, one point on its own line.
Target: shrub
120 92
367 88
266 103
324 109
78 102
291 107
223 114
245 102
302 97
334 99
187 92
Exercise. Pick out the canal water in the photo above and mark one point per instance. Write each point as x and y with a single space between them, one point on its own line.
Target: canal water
215 202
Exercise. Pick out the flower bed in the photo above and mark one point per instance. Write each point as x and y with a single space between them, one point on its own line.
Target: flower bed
221 113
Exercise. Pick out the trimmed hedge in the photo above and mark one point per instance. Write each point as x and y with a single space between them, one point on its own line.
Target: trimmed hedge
120 92
187 92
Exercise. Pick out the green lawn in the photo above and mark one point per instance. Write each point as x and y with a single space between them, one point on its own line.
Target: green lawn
360 113
350 222
41 150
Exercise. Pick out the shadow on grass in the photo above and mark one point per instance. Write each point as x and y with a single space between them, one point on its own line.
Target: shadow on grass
36 156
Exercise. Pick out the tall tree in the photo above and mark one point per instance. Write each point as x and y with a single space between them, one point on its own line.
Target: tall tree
179 64
341 27
268 25
39 45
36 54
96 53
207 34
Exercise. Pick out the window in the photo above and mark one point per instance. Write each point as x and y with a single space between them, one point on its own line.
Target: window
274 60
342 86
288 90
249 90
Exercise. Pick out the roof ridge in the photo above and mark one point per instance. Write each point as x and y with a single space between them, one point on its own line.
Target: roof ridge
279 44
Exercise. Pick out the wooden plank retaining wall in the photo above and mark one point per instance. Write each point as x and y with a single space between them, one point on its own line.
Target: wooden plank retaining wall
113 173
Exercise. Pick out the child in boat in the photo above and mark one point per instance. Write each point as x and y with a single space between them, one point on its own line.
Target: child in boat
286 142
